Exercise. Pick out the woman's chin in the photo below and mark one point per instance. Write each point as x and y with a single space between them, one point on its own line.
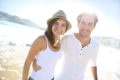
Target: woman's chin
58 35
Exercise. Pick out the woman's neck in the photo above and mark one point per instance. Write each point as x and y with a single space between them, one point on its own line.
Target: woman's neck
56 43
56 38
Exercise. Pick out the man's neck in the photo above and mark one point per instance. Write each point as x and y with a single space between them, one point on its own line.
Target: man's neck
84 40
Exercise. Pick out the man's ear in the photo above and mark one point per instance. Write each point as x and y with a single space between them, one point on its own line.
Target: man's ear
78 25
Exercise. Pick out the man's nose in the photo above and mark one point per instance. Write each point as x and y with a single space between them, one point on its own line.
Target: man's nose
85 25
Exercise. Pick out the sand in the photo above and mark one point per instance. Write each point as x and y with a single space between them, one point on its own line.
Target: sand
12 58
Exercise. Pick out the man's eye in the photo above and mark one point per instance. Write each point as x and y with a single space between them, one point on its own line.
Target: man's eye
91 24
83 23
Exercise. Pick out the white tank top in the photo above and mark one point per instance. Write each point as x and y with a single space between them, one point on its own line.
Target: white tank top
47 59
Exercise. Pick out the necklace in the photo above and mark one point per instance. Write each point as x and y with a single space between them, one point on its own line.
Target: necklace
56 44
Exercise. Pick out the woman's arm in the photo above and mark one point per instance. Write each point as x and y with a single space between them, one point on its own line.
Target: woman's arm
35 48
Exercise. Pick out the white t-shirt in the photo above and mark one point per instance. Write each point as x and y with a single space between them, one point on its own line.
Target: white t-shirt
47 59
76 58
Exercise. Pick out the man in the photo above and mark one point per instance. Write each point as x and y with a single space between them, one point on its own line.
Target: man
78 49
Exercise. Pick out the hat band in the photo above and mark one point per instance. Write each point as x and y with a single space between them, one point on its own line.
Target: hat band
60 16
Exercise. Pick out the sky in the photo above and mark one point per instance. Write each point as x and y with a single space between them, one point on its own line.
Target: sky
39 11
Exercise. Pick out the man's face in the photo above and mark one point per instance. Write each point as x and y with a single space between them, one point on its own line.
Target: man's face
86 25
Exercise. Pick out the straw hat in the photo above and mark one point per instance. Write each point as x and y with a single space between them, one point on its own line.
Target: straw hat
60 14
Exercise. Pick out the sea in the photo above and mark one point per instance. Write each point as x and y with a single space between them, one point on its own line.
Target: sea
17 33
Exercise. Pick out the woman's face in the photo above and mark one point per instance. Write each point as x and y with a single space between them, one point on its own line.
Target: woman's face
59 27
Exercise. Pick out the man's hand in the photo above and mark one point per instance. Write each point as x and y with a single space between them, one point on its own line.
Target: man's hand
35 66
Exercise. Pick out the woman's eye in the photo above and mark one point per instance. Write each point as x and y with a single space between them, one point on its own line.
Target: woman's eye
64 25
56 23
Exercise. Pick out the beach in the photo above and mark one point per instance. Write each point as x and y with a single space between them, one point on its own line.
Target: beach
12 59
108 64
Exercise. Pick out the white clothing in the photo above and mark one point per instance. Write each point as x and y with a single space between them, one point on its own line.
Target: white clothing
47 59
76 58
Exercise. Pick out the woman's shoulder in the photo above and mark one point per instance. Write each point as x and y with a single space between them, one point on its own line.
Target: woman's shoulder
40 38
39 41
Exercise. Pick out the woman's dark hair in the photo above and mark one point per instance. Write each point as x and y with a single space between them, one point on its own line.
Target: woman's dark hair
49 33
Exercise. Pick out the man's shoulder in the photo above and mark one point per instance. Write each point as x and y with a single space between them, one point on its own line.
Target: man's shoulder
67 38
68 35
95 43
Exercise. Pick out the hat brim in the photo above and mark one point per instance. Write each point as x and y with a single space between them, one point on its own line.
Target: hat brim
69 24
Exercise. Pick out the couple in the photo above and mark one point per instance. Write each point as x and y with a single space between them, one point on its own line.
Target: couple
76 49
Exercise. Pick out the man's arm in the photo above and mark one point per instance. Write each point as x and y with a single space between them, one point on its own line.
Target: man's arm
94 72
35 66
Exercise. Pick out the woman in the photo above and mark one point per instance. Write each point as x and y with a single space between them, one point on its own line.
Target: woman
46 48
